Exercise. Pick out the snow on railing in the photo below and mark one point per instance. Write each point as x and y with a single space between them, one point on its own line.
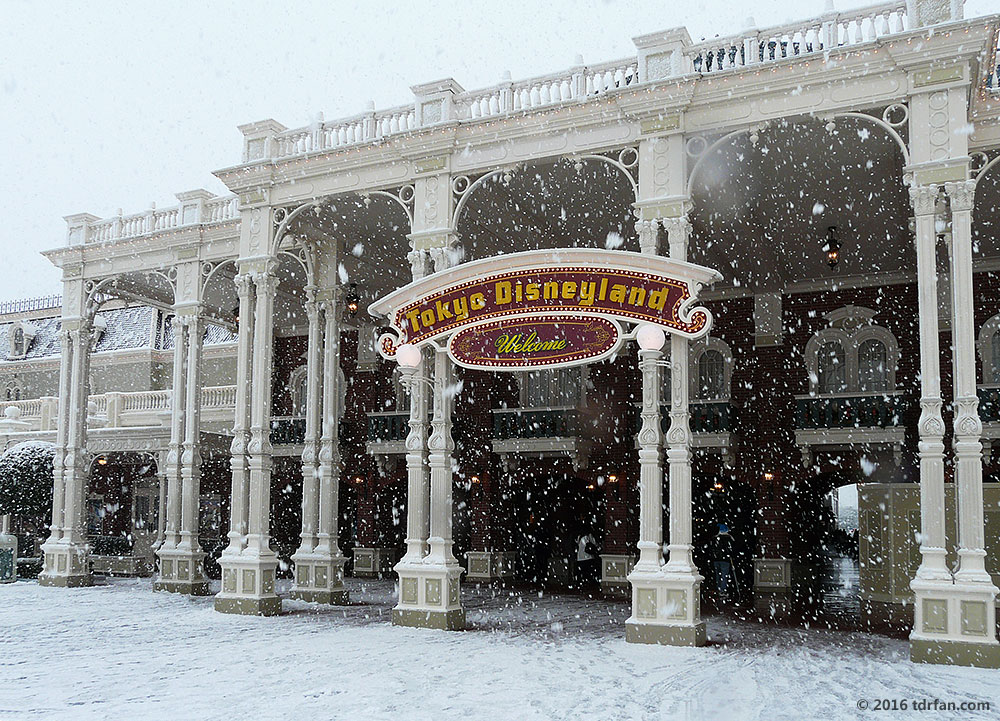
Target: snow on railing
26 305
578 83
362 128
205 208
826 32
31 408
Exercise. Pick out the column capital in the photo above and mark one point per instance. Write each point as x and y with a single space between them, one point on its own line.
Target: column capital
961 194
924 198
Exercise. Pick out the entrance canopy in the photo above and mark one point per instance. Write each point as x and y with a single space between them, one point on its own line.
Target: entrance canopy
545 308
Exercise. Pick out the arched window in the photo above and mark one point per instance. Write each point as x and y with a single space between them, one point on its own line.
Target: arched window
298 384
18 343
852 355
873 366
831 371
13 392
711 375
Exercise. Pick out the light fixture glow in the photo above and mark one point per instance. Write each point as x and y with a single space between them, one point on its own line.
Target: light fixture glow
651 337
408 355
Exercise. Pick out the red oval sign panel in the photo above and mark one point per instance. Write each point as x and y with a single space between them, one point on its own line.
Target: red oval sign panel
535 342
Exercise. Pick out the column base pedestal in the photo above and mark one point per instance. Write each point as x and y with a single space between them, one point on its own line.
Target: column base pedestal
429 596
666 608
181 571
249 606
955 653
487 566
66 565
189 588
374 562
664 635
66 581
453 620
248 585
614 575
319 579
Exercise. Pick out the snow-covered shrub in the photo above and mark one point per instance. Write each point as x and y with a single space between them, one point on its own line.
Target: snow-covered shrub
26 479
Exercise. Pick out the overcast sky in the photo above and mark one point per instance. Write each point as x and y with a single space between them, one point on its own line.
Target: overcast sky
113 105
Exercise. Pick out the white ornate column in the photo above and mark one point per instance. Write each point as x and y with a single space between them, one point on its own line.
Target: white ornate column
310 452
975 593
168 551
66 555
430 590
933 585
248 579
62 426
666 599
418 485
320 570
161 490
191 577
241 424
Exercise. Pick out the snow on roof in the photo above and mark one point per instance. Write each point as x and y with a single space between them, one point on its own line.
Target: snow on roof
126 328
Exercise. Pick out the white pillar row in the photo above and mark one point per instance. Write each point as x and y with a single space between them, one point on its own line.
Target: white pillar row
248 576
66 556
181 566
666 599
319 563
975 591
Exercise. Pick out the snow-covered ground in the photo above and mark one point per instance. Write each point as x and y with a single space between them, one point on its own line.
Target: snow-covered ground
119 651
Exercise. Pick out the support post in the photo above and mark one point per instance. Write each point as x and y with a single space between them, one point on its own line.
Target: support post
666 599
319 571
933 585
438 602
248 579
972 612
66 554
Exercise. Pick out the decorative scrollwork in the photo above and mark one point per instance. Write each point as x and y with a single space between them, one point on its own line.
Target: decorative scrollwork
896 115
695 146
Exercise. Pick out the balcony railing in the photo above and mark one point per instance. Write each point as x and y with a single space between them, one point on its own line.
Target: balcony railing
873 410
288 431
388 427
535 423
831 30
989 403
706 417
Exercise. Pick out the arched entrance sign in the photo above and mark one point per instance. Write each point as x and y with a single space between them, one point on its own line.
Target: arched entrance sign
545 308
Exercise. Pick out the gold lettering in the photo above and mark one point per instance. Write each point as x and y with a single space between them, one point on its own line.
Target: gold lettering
477 301
532 291
461 306
569 290
427 318
442 311
658 299
587 292
637 293
412 317
617 293
503 292
551 290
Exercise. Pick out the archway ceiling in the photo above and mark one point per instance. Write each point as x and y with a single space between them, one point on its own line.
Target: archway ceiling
761 211
550 205
370 239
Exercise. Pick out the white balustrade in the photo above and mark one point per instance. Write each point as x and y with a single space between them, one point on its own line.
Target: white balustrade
824 33
145 401
31 408
216 210
218 397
